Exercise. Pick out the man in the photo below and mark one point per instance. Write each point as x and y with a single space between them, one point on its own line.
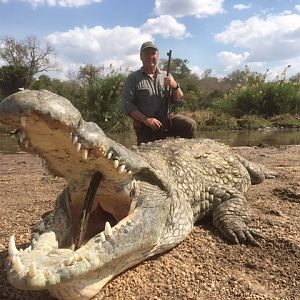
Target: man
143 99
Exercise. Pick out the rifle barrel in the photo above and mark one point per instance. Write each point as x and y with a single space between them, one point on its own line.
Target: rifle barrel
166 109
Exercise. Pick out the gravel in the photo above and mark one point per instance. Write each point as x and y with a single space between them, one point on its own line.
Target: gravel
204 266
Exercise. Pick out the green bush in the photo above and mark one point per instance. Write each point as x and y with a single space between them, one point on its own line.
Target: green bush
102 103
220 121
260 97
253 122
286 120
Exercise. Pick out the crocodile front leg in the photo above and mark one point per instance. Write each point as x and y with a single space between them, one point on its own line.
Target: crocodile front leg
230 215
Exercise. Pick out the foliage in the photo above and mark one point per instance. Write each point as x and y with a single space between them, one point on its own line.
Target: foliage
102 103
221 121
286 120
260 97
68 89
28 54
178 68
12 78
241 99
295 78
212 120
98 98
88 73
253 122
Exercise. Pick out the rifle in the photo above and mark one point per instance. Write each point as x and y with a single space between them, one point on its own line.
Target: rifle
166 113
87 207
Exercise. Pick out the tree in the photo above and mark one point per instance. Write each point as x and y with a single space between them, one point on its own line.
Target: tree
178 68
237 77
29 54
295 78
100 102
11 79
89 73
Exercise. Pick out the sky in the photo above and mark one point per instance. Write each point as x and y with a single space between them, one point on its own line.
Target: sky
219 35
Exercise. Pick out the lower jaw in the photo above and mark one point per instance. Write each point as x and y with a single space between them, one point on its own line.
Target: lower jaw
90 284
81 288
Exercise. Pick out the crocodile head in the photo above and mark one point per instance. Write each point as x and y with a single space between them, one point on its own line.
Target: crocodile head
129 216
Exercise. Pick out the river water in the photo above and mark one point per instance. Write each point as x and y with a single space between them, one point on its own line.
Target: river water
8 142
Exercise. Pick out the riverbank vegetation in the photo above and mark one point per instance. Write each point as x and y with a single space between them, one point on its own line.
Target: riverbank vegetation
241 100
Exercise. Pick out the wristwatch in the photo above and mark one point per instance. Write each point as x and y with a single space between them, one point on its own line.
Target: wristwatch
177 87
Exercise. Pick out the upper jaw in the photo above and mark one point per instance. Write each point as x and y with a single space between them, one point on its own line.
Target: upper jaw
53 128
43 103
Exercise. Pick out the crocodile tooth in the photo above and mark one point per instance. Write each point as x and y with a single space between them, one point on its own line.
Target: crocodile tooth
87 257
32 270
23 122
42 227
74 139
13 258
115 163
45 167
85 154
39 280
69 261
26 144
71 136
28 249
109 155
18 266
102 237
81 257
12 249
100 152
22 137
36 235
76 257
129 172
121 169
33 241
78 147
107 230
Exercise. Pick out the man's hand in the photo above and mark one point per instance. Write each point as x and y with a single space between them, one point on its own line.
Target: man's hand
153 123
169 81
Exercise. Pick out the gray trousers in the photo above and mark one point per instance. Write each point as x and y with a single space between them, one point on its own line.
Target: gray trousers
178 126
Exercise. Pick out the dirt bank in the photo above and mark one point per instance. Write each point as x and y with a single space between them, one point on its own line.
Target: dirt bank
204 266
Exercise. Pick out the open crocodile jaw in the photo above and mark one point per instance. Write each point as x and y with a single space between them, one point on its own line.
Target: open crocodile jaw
74 149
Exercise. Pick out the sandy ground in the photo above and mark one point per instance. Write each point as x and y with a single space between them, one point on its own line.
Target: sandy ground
204 266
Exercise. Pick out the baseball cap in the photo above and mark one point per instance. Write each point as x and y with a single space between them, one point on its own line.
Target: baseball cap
148 44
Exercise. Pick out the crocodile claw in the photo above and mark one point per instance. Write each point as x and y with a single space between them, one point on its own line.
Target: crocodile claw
245 235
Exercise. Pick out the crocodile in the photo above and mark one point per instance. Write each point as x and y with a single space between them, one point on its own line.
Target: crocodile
148 199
